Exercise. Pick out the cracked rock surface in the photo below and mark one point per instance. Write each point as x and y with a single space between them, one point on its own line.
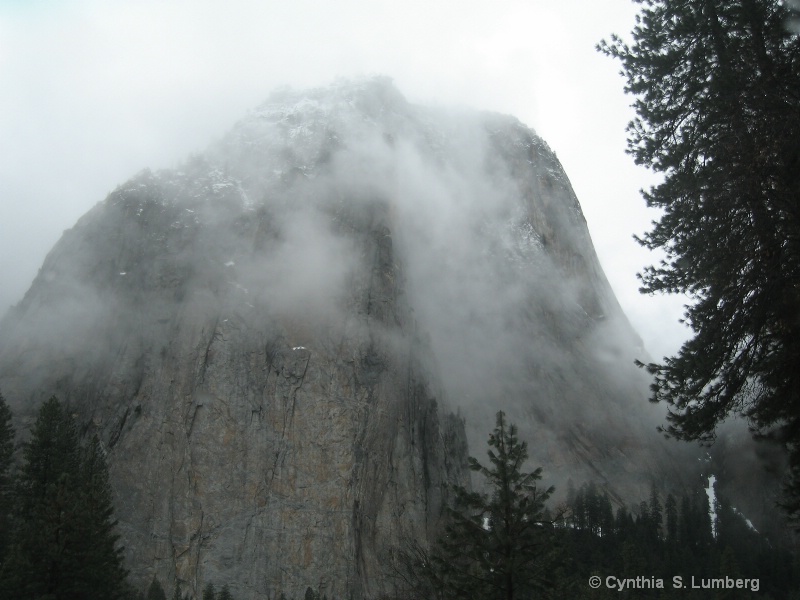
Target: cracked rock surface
272 339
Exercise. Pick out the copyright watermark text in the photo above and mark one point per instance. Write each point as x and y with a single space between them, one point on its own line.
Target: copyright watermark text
678 582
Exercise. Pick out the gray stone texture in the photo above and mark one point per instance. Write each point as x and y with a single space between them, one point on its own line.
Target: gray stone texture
273 341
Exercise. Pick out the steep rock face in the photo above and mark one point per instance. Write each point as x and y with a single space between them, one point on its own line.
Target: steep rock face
268 448
271 340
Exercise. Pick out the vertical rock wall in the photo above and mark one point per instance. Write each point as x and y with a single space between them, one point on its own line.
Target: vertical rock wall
267 450
270 340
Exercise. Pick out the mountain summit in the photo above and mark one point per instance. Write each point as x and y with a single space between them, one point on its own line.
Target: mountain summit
287 344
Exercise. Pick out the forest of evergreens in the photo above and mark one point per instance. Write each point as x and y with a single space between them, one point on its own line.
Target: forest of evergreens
507 543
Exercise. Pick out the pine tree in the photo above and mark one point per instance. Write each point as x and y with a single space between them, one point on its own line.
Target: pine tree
497 545
655 512
225 593
606 515
644 525
685 531
47 536
623 523
103 569
699 518
579 520
64 545
671 514
177 594
592 502
156 591
6 487
717 87
208 592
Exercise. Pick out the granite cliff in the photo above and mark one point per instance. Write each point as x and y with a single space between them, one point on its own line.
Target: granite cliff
287 343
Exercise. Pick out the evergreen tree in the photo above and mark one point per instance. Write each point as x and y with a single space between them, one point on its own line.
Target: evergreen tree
64 545
623 524
579 520
606 515
592 503
671 514
225 593
702 520
497 545
655 513
155 591
47 535
685 531
6 488
717 87
103 558
208 592
570 492
644 525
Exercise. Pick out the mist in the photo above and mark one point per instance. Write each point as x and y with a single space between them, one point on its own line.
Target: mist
97 92
492 250
338 272
493 270
362 247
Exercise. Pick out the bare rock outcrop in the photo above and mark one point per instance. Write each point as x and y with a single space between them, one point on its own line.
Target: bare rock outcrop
272 340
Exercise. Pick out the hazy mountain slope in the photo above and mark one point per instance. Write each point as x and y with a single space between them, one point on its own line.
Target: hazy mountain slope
270 339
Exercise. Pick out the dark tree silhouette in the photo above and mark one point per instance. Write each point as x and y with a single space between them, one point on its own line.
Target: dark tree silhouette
717 87
156 591
497 544
64 547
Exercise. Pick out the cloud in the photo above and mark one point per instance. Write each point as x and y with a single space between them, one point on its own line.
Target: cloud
95 91
303 271
494 255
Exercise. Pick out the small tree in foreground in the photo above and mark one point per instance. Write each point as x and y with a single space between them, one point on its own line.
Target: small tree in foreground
497 544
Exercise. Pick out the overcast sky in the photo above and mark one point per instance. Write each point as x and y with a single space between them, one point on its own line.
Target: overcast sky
92 91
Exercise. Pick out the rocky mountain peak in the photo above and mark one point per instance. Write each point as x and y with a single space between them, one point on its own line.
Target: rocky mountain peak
273 339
